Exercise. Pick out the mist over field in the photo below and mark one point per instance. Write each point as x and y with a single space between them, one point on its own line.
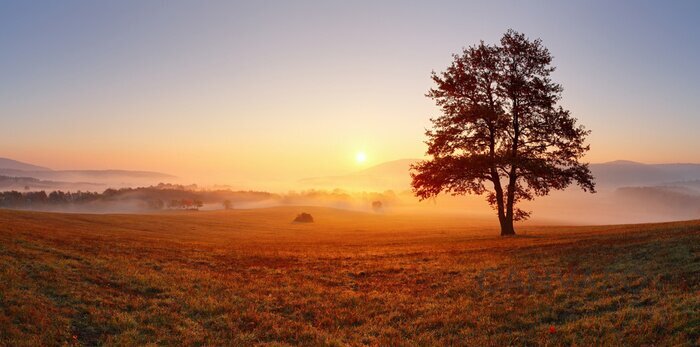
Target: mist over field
628 192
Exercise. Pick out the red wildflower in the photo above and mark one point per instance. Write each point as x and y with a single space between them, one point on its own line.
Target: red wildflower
552 329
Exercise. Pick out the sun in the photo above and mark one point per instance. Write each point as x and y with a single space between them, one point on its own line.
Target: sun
360 157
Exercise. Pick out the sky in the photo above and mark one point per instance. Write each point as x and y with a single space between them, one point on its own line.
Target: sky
238 92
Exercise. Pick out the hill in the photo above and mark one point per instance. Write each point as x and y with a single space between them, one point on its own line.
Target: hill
25 183
251 277
81 179
626 173
620 173
94 176
10 164
392 175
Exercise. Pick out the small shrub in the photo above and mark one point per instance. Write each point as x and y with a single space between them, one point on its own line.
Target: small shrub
304 218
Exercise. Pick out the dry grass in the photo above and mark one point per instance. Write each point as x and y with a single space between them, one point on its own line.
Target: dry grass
253 278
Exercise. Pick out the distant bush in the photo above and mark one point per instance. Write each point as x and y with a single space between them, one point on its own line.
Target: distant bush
186 204
304 218
377 206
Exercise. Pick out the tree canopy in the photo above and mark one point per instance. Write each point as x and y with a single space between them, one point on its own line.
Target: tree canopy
501 132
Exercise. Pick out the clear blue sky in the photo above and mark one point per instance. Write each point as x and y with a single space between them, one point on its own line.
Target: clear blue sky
261 88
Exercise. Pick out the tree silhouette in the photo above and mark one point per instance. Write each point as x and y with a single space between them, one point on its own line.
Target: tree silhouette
175 204
501 132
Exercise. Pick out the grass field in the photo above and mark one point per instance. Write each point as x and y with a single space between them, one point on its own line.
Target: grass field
250 277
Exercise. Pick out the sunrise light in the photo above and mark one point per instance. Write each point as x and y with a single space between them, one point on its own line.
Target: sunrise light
319 172
360 157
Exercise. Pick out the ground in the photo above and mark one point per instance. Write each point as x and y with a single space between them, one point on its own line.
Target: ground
252 277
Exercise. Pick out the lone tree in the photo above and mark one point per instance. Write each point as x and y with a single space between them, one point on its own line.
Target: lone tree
501 132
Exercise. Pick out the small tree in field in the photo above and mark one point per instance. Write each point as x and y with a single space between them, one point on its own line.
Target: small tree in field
501 132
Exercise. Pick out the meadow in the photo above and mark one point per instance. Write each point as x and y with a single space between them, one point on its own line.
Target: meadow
251 277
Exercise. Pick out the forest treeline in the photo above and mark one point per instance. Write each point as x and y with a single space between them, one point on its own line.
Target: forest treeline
163 196
175 197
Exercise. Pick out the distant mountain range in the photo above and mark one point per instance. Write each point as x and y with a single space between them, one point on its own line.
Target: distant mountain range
621 173
18 165
82 178
629 173
30 183
81 175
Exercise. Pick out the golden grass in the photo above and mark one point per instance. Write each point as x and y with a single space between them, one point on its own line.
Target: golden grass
251 277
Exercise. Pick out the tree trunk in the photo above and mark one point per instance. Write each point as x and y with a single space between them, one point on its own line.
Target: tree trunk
507 228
